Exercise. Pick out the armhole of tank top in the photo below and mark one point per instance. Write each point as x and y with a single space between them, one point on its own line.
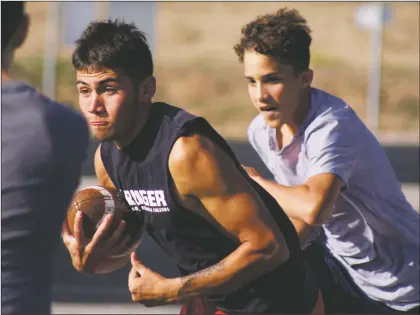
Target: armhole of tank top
201 126
108 168
181 133
207 130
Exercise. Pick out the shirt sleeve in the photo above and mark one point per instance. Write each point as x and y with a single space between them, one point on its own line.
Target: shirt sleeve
333 148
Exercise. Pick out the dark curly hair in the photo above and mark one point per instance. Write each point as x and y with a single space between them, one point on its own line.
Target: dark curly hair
284 36
113 45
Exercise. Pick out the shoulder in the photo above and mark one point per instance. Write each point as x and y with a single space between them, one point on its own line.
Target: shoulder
197 164
173 114
330 107
331 114
37 120
19 96
335 130
68 129
63 117
34 131
188 151
21 107
256 125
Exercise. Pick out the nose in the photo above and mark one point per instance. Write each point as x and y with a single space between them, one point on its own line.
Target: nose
261 93
96 105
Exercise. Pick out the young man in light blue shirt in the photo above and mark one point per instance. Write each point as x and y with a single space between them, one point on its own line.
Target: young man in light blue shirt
330 171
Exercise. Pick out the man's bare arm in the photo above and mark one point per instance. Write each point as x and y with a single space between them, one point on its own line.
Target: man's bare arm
311 203
302 228
205 173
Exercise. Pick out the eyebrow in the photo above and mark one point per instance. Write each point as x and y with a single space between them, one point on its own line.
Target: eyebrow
100 82
268 75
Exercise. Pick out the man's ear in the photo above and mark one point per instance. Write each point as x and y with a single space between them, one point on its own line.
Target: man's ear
149 87
307 78
21 33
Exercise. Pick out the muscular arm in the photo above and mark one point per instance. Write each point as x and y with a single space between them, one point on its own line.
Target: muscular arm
308 204
204 173
303 229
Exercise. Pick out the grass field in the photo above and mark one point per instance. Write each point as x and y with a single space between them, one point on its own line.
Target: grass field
197 69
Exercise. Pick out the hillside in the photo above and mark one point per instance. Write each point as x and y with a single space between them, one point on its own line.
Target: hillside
197 69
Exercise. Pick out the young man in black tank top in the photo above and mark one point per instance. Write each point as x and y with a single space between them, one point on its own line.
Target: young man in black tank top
231 241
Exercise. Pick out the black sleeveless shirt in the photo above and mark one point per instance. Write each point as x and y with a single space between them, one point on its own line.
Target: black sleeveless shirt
141 172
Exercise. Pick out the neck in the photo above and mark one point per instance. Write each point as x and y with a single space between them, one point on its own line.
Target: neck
6 59
286 131
300 114
5 65
139 124
5 75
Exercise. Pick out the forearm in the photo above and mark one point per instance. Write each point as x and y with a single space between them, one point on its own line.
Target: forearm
239 268
296 201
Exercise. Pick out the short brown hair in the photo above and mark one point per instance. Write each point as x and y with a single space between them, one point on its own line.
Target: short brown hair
114 44
284 36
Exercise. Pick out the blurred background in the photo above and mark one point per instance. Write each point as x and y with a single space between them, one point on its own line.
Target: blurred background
197 68
367 54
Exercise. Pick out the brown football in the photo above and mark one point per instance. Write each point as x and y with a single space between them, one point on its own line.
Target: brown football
97 201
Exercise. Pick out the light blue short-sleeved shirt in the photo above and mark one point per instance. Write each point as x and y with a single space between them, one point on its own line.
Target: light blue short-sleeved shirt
374 231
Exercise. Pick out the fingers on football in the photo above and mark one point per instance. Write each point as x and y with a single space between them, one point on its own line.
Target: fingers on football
78 229
102 230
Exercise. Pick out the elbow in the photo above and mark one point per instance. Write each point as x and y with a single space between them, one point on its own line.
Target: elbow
317 214
271 250
270 253
311 216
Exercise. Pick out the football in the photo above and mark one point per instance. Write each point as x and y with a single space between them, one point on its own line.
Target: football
95 202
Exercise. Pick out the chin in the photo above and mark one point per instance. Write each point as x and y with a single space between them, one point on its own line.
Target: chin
273 123
101 136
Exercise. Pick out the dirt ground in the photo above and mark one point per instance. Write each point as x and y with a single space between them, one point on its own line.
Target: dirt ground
197 69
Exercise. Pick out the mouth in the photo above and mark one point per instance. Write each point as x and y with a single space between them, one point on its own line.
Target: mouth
99 123
268 108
